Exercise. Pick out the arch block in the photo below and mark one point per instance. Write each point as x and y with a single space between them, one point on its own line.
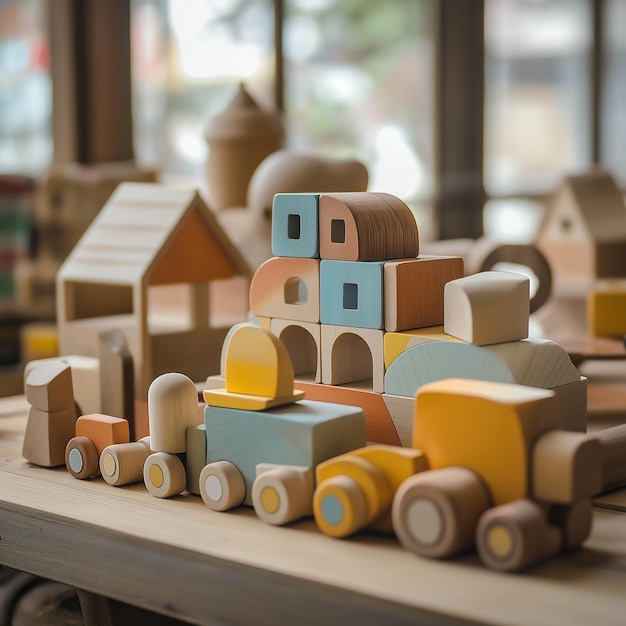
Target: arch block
295 231
488 307
366 226
351 294
353 356
437 360
287 288
303 341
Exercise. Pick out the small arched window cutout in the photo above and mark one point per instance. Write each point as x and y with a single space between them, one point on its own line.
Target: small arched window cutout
296 291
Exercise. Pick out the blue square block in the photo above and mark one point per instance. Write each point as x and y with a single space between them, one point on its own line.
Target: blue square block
351 293
295 230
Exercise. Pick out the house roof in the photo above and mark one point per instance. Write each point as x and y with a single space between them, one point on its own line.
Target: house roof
153 234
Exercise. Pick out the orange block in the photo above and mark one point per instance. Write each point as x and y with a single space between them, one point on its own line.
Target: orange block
103 430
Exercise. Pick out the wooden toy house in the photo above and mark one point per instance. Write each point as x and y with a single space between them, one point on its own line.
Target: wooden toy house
583 235
146 237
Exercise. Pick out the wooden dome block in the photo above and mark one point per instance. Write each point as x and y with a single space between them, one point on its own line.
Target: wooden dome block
303 433
351 294
47 435
488 307
353 356
485 426
397 342
414 290
49 386
303 341
103 430
366 226
287 287
295 231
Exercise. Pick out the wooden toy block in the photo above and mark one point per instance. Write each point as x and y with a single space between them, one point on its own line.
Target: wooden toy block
572 405
613 442
351 294
158 236
49 387
85 380
515 535
303 341
486 308
81 458
606 309
164 475
353 356
413 292
366 227
401 411
573 521
282 493
379 423
304 433
122 463
485 426
222 486
259 373
103 430
117 378
438 360
435 513
172 408
288 288
294 171
566 467
295 231
47 435
195 459
395 343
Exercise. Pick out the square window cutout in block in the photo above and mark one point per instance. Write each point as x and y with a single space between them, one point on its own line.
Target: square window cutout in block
296 291
338 231
350 296
293 226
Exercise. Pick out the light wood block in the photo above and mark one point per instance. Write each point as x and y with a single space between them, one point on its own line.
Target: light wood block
486 308
572 405
46 436
304 434
606 309
288 288
295 231
195 459
437 360
566 467
516 535
435 513
413 292
366 226
172 408
117 377
103 430
351 294
303 342
49 386
85 380
258 375
401 409
81 458
352 356
164 475
395 343
282 493
122 463
484 426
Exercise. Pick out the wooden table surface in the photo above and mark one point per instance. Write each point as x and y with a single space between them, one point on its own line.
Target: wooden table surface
179 558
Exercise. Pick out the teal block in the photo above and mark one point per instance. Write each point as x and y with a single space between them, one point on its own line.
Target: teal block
351 293
438 360
195 457
295 230
303 433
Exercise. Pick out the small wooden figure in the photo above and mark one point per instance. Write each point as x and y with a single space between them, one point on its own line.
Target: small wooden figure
366 227
486 308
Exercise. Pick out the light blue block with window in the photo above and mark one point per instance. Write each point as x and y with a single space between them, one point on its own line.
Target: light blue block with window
295 230
351 293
